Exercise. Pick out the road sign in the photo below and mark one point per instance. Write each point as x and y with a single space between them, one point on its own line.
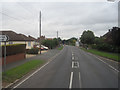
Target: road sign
3 38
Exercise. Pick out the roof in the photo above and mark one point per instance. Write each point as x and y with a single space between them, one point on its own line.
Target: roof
109 35
15 37
32 38
40 38
49 38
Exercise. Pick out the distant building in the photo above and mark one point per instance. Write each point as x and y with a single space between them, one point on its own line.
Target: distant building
77 44
49 38
15 38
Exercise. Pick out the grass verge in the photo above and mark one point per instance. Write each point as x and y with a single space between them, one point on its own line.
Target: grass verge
113 56
19 71
61 47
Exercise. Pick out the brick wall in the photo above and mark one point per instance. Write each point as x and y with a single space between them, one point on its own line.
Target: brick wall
13 58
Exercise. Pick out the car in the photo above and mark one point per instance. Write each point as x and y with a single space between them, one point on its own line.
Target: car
42 47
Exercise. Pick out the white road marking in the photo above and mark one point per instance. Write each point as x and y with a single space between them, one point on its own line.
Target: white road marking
80 80
30 76
75 64
36 71
105 62
106 58
71 79
78 64
72 54
72 64
72 57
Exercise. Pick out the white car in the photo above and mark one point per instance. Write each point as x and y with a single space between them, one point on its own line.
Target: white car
44 47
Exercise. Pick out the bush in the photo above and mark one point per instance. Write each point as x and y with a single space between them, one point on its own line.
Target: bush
13 49
32 51
51 43
103 47
117 49
94 46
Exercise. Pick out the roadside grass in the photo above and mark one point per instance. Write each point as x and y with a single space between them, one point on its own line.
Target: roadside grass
113 56
61 47
13 74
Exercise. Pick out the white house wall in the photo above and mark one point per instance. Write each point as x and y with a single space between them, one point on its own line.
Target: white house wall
29 44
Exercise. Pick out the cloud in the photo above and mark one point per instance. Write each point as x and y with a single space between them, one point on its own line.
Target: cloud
69 18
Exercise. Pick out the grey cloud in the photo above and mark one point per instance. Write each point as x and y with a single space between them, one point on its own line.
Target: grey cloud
70 19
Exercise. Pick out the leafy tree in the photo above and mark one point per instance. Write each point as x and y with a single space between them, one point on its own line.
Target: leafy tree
98 40
51 43
87 37
70 41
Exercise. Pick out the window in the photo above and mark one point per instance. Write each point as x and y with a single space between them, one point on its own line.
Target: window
10 42
29 44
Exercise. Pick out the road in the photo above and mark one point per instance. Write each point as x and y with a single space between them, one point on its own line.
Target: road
72 68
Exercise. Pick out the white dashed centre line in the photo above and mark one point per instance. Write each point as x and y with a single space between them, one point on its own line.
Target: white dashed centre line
80 80
71 79
72 64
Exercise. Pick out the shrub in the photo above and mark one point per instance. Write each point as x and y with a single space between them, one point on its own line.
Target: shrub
103 47
94 46
117 49
32 51
13 49
51 43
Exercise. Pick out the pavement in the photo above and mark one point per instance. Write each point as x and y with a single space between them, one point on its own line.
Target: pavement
44 56
72 68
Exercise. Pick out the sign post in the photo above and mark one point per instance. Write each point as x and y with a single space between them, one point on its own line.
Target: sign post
4 55
4 38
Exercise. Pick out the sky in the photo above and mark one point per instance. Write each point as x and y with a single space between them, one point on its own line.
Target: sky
70 19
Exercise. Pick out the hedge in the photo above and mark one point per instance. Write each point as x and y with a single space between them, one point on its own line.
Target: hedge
106 47
32 51
51 43
13 49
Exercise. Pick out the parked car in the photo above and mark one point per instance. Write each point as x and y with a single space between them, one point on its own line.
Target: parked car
42 47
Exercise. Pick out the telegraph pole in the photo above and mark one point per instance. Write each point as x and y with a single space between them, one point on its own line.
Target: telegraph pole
57 38
57 34
40 33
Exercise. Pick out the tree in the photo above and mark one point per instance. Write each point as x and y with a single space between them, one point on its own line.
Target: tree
70 41
98 40
87 37
51 43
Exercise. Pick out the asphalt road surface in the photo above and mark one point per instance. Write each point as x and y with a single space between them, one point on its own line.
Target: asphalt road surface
72 68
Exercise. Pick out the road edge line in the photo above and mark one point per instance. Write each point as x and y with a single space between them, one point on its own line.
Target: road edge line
51 59
104 62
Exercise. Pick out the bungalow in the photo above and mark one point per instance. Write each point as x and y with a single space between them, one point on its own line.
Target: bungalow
15 38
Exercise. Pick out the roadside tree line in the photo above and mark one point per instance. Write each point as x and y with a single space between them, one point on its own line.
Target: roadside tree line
108 42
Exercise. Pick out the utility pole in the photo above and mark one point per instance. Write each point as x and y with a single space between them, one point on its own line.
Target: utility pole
57 38
40 33
57 34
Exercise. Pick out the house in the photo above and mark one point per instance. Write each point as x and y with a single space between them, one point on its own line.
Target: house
112 36
15 38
